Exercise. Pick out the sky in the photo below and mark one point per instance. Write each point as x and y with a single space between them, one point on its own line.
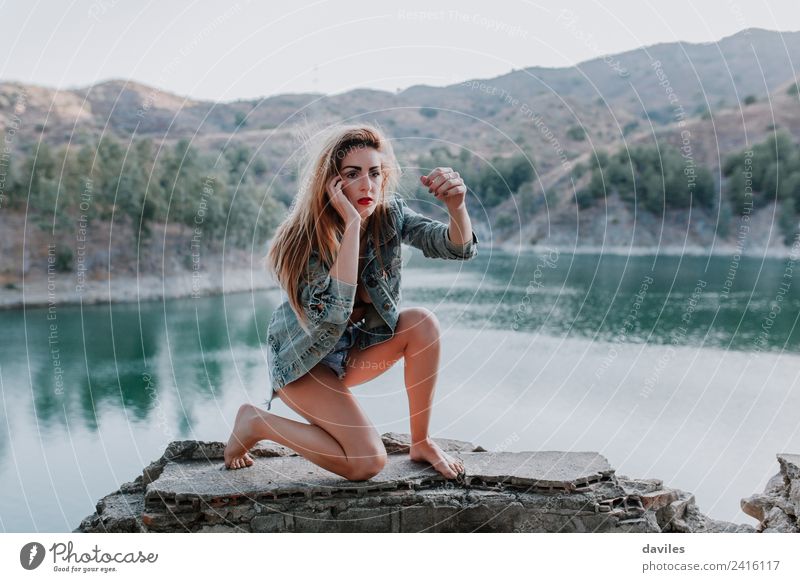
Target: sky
226 51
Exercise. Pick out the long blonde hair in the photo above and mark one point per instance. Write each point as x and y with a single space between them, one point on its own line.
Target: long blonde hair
313 223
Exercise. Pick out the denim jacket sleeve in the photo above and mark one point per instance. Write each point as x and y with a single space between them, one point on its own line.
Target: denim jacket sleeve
325 298
431 236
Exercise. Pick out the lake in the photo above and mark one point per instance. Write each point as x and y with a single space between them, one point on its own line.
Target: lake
678 368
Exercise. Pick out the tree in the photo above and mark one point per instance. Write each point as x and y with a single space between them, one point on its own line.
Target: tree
108 172
771 172
40 171
654 177
181 178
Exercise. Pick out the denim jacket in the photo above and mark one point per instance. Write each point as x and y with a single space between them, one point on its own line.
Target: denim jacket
328 302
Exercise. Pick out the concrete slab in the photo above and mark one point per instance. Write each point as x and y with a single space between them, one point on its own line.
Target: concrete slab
281 477
540 469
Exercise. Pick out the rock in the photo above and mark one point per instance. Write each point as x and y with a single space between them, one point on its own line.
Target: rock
775 483
655 500
639 486
757 506
790 466
118 512
188 489
777 521
717 526
778 508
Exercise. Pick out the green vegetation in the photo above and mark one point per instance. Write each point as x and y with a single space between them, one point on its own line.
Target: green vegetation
660 116
659 179
656 178
239 119
503 221
139 184
576 133
428 112
629 127
769 172
63 260
750 99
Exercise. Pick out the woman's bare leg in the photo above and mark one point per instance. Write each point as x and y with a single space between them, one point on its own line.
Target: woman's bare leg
340 437
416 340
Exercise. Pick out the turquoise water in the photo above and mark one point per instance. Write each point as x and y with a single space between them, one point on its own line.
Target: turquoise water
684 369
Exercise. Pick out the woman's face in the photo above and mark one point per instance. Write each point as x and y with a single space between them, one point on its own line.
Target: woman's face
362 179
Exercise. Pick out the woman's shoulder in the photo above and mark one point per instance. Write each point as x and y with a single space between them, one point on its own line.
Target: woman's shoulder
396 204
393 221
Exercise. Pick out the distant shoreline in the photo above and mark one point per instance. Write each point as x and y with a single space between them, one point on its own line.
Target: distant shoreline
667 251
129 289
38 293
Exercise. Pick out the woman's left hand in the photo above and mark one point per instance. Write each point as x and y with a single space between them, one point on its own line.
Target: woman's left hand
446 185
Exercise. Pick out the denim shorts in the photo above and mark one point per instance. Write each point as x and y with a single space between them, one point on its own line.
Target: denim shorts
336 357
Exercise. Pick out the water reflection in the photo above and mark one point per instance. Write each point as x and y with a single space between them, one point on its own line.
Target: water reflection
697 301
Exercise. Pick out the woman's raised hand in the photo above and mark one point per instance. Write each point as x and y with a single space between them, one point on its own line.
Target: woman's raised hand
339 201
446 185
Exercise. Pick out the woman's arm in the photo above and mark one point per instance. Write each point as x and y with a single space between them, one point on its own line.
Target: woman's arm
325 299
345 267
432 236
460 229
330 294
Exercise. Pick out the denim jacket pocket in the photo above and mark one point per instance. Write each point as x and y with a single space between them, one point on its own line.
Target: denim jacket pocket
326 299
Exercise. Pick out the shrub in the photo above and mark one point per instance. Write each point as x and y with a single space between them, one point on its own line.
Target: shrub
576 133
63 262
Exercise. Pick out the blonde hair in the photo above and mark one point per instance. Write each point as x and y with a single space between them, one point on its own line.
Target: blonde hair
313 223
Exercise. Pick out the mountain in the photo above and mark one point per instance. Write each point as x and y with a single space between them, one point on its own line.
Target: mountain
727 95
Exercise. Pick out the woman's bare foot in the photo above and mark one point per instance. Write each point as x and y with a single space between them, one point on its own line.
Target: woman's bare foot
241 440
429 451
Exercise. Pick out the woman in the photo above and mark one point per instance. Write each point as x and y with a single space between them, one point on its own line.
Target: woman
337 258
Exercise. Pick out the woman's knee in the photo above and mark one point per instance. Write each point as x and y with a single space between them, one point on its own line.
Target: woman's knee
333 408
420 321
366 466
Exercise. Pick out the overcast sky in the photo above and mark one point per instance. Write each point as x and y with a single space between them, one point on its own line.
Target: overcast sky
226 51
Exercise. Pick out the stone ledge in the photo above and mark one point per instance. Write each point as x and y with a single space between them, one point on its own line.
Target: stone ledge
189 489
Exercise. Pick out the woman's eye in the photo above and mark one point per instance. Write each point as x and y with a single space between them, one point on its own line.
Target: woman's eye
351 175
376 174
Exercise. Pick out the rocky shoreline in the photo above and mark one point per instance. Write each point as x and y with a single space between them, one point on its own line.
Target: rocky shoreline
189 490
